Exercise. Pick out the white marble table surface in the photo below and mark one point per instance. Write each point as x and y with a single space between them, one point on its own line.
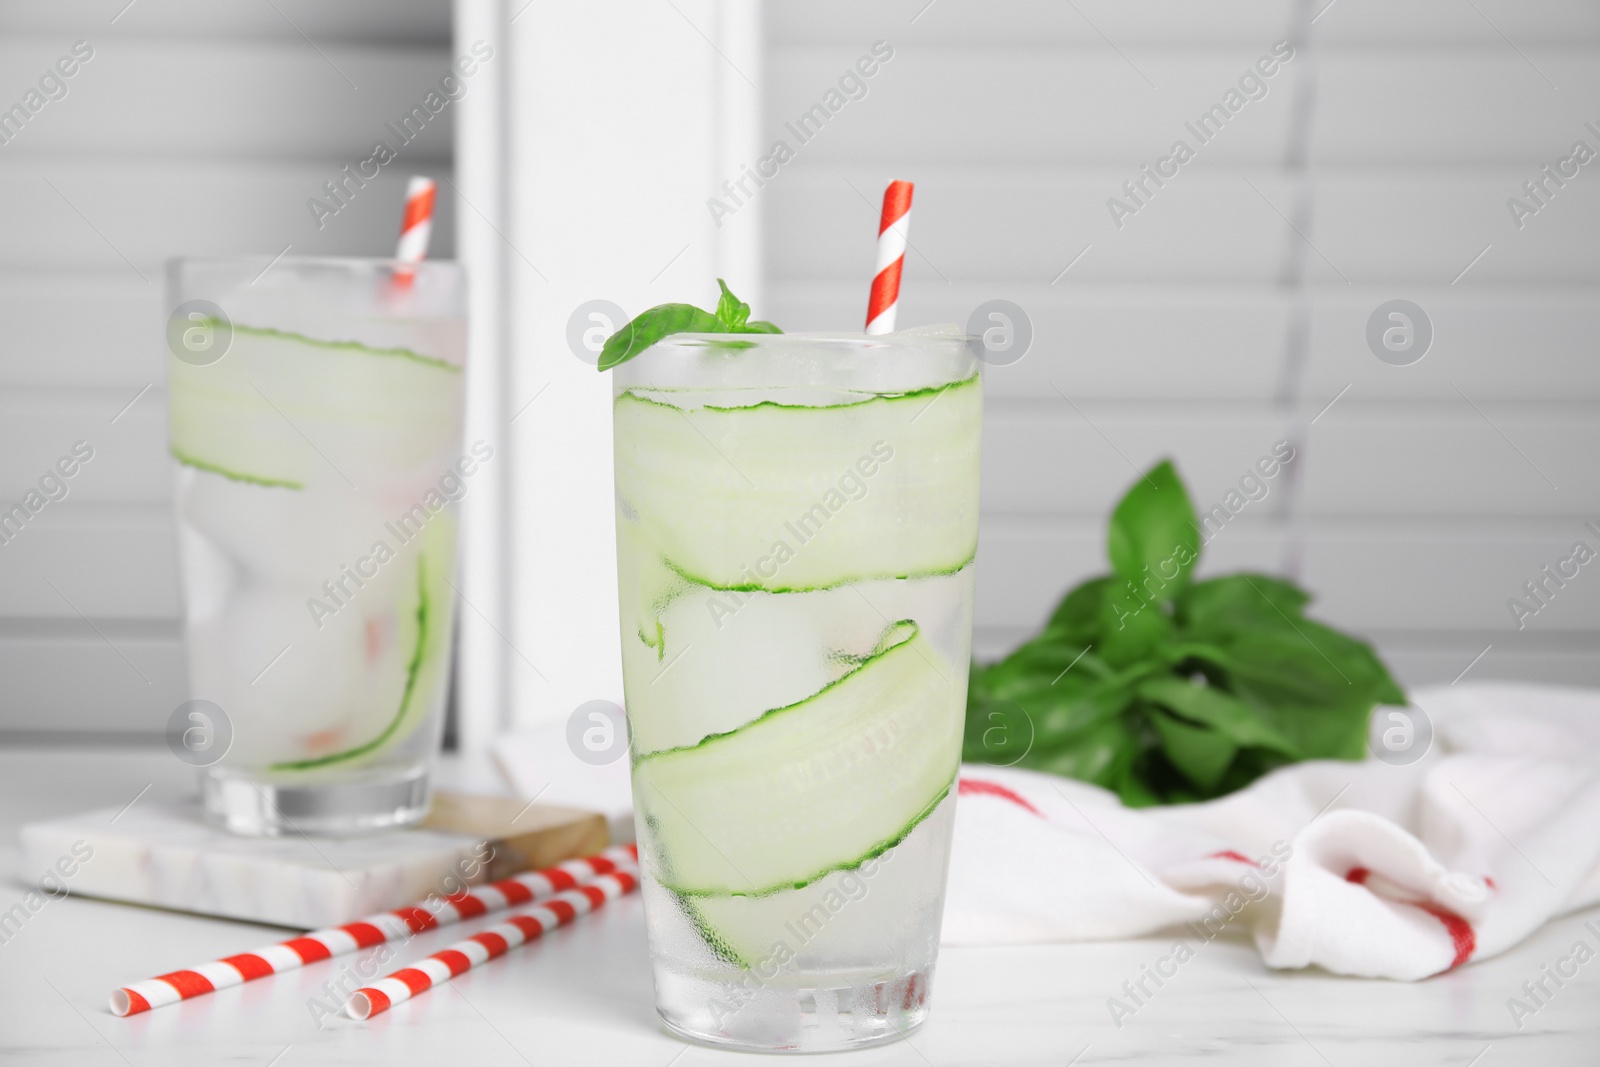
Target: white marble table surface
583 995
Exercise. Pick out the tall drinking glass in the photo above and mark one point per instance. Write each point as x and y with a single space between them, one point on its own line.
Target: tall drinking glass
315 413
797 519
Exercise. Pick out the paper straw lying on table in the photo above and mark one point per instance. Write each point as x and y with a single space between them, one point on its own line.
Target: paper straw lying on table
481 947
552 883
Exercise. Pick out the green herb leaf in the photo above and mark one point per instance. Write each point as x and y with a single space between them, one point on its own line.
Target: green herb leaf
1079 612
1202 755
1131 628
648 327
731 311
1154 541
1211 707
1100 755
1240 601
663 320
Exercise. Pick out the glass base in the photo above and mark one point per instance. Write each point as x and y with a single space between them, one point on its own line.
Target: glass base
835 1014
264 808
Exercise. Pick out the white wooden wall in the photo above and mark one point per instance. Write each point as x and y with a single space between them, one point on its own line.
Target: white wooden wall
197 128
1430 493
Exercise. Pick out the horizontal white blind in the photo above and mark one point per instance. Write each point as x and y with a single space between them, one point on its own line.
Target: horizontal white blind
1230 308
195 128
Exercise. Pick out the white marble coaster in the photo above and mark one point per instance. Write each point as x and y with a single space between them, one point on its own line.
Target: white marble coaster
165 856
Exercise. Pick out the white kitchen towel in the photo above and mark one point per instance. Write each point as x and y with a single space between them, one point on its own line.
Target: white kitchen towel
1371 869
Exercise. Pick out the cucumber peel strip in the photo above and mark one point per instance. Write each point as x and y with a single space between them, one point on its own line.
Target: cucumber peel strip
746 587
718 944
232 475
343 346
639 394
413 669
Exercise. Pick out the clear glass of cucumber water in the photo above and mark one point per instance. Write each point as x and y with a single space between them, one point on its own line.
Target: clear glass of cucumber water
315 416
797 521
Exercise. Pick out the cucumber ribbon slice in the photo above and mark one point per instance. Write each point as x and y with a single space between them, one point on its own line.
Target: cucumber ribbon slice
817 786
254 414
431 620
782 499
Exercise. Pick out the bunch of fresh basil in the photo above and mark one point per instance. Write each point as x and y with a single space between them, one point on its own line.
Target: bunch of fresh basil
1168 690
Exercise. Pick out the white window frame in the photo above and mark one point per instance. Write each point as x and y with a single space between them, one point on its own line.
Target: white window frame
584 161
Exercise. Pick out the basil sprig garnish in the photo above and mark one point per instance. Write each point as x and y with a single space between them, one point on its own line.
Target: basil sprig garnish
663 320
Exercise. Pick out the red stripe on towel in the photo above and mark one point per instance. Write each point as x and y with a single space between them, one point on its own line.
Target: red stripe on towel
977 787
1462 936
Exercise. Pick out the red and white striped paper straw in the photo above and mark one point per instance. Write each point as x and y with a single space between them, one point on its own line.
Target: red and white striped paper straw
399 924
416 227
892 227
481 947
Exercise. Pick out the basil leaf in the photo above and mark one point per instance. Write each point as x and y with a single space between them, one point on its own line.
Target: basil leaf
1322 712
1240 601
1062 721
1154 542
1201 754
731 311
1263 661
1050 661
1307 661
1131 629
1080 612
1211 707
664 320
1101 754
998 732
648 327
1140 780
